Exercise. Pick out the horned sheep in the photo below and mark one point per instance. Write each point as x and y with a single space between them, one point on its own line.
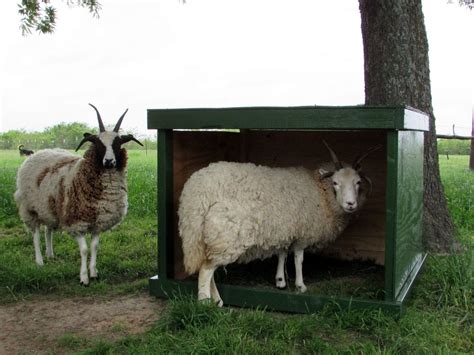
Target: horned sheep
78 195
238 212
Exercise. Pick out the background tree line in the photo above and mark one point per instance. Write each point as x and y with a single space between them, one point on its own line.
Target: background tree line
62 135
68 136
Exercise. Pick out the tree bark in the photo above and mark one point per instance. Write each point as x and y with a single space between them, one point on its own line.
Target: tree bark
397 73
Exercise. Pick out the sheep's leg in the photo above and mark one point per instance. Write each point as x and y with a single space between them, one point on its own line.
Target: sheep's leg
299 256
37 244
280 275
92 264
49 243
81 241
206 274
216 297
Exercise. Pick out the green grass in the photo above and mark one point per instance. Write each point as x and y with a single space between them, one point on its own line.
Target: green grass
459 189
439 316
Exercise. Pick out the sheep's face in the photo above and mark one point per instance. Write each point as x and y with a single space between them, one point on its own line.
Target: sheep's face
346 180
108 149
346 183
108 144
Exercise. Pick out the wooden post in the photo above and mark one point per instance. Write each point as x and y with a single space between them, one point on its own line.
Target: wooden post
471 159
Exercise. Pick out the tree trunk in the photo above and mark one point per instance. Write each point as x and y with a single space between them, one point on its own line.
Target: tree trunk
397 73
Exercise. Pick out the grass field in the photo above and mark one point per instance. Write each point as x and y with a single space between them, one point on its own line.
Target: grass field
439 317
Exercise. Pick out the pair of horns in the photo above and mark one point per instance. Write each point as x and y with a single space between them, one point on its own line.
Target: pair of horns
357 160
101 124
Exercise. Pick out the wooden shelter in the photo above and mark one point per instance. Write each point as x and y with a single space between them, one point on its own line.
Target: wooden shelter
386 234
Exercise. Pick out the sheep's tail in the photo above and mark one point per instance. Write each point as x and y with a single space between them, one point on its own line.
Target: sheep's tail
192 214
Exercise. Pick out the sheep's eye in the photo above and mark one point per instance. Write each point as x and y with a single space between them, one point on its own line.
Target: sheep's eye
335 183
358 182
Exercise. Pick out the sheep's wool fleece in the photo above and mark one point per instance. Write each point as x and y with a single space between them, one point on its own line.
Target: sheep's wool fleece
240 212
67 192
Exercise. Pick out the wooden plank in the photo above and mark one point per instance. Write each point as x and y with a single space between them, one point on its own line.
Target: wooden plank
408 242
391 213
269 299
165 207
305 117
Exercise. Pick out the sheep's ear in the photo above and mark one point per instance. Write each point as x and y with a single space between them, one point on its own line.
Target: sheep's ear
323 174
87 138
127 138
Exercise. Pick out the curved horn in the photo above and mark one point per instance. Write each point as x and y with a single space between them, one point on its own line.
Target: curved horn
326 175
117 126
356 163
127 138
366 178
101 124
336 161
87 138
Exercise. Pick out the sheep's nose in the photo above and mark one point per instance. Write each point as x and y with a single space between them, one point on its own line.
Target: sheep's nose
109 163
350 206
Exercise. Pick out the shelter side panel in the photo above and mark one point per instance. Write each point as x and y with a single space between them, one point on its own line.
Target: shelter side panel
408 242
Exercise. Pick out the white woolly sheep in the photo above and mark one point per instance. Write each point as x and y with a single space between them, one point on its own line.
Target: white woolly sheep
78 195
239 212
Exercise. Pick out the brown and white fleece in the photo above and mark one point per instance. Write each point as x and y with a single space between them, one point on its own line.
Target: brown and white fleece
72 193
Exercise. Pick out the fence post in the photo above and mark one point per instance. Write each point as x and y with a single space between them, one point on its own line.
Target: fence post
471 157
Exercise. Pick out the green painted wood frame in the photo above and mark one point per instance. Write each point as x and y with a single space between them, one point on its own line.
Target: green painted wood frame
305 117
403 244
403 252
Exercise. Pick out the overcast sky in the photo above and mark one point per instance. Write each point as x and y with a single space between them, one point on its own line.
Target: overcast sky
211 53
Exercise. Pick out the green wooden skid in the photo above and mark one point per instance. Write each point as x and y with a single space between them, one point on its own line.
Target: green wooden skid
276 300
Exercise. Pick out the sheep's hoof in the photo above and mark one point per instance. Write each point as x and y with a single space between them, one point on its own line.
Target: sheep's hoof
220 303
39 262
280 283
301 289
84 281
